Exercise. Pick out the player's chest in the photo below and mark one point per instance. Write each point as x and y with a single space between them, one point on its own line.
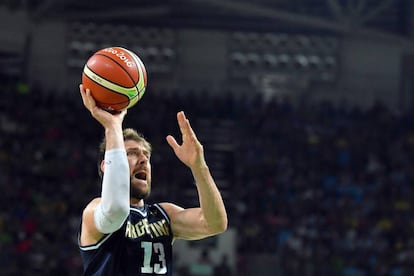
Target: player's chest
139 229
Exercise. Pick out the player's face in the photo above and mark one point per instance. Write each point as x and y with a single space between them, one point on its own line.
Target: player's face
140 169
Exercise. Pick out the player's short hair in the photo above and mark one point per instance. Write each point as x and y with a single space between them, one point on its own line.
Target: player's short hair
128 134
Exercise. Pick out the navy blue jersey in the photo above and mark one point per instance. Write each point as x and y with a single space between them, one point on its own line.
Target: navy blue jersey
142 246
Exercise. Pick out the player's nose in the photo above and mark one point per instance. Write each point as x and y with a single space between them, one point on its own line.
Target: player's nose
142 159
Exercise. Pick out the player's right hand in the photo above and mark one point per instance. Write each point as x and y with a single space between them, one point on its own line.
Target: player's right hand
105 118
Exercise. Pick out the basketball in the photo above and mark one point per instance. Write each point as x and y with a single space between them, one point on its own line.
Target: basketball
116 77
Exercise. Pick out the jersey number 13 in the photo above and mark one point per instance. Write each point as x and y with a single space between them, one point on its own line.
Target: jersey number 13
150 248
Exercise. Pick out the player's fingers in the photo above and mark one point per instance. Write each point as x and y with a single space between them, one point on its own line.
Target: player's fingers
90 100
181 122
82 92
190 129
185 127
172 142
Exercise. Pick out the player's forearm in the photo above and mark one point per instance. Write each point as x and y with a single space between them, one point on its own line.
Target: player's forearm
211 202
115 182
113 208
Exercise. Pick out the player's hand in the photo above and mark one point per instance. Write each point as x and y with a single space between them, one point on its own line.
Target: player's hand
190 152
105 118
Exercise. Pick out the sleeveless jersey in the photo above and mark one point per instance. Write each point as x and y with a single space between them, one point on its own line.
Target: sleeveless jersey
142 246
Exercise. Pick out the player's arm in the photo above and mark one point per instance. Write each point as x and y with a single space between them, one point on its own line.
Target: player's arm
211 217
106 214
204 221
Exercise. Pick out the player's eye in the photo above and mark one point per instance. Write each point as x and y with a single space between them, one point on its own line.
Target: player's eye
132 154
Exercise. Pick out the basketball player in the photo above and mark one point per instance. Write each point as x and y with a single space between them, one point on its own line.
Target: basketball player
122 235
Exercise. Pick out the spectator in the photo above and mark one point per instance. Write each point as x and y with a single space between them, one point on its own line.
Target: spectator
330 185
223 268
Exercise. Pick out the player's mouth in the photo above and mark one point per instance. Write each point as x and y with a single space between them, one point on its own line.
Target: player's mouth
141 175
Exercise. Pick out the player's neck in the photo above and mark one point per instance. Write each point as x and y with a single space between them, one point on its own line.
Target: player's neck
136 202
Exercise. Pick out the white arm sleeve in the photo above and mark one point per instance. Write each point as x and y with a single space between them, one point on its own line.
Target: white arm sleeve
113 208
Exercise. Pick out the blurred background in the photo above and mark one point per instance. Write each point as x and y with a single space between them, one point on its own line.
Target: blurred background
304 108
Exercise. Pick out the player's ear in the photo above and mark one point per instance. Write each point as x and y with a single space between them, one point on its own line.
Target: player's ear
102 167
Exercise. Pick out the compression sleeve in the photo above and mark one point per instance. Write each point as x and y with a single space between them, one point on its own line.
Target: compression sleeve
113 208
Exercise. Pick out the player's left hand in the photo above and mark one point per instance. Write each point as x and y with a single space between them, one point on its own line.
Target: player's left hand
190 152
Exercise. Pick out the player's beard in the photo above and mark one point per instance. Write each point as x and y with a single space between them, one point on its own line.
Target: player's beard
139 193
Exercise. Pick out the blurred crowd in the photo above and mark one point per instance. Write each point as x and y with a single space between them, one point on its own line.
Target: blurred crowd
325 188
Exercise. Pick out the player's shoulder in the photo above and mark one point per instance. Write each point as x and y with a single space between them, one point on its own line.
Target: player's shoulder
170 208
94 201
92 204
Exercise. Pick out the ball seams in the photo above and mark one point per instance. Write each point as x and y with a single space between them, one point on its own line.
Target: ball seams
120 65
128 99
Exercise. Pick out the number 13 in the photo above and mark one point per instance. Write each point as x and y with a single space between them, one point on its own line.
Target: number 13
158 268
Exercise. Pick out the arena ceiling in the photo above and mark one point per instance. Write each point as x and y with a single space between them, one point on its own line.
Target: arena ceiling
384 16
